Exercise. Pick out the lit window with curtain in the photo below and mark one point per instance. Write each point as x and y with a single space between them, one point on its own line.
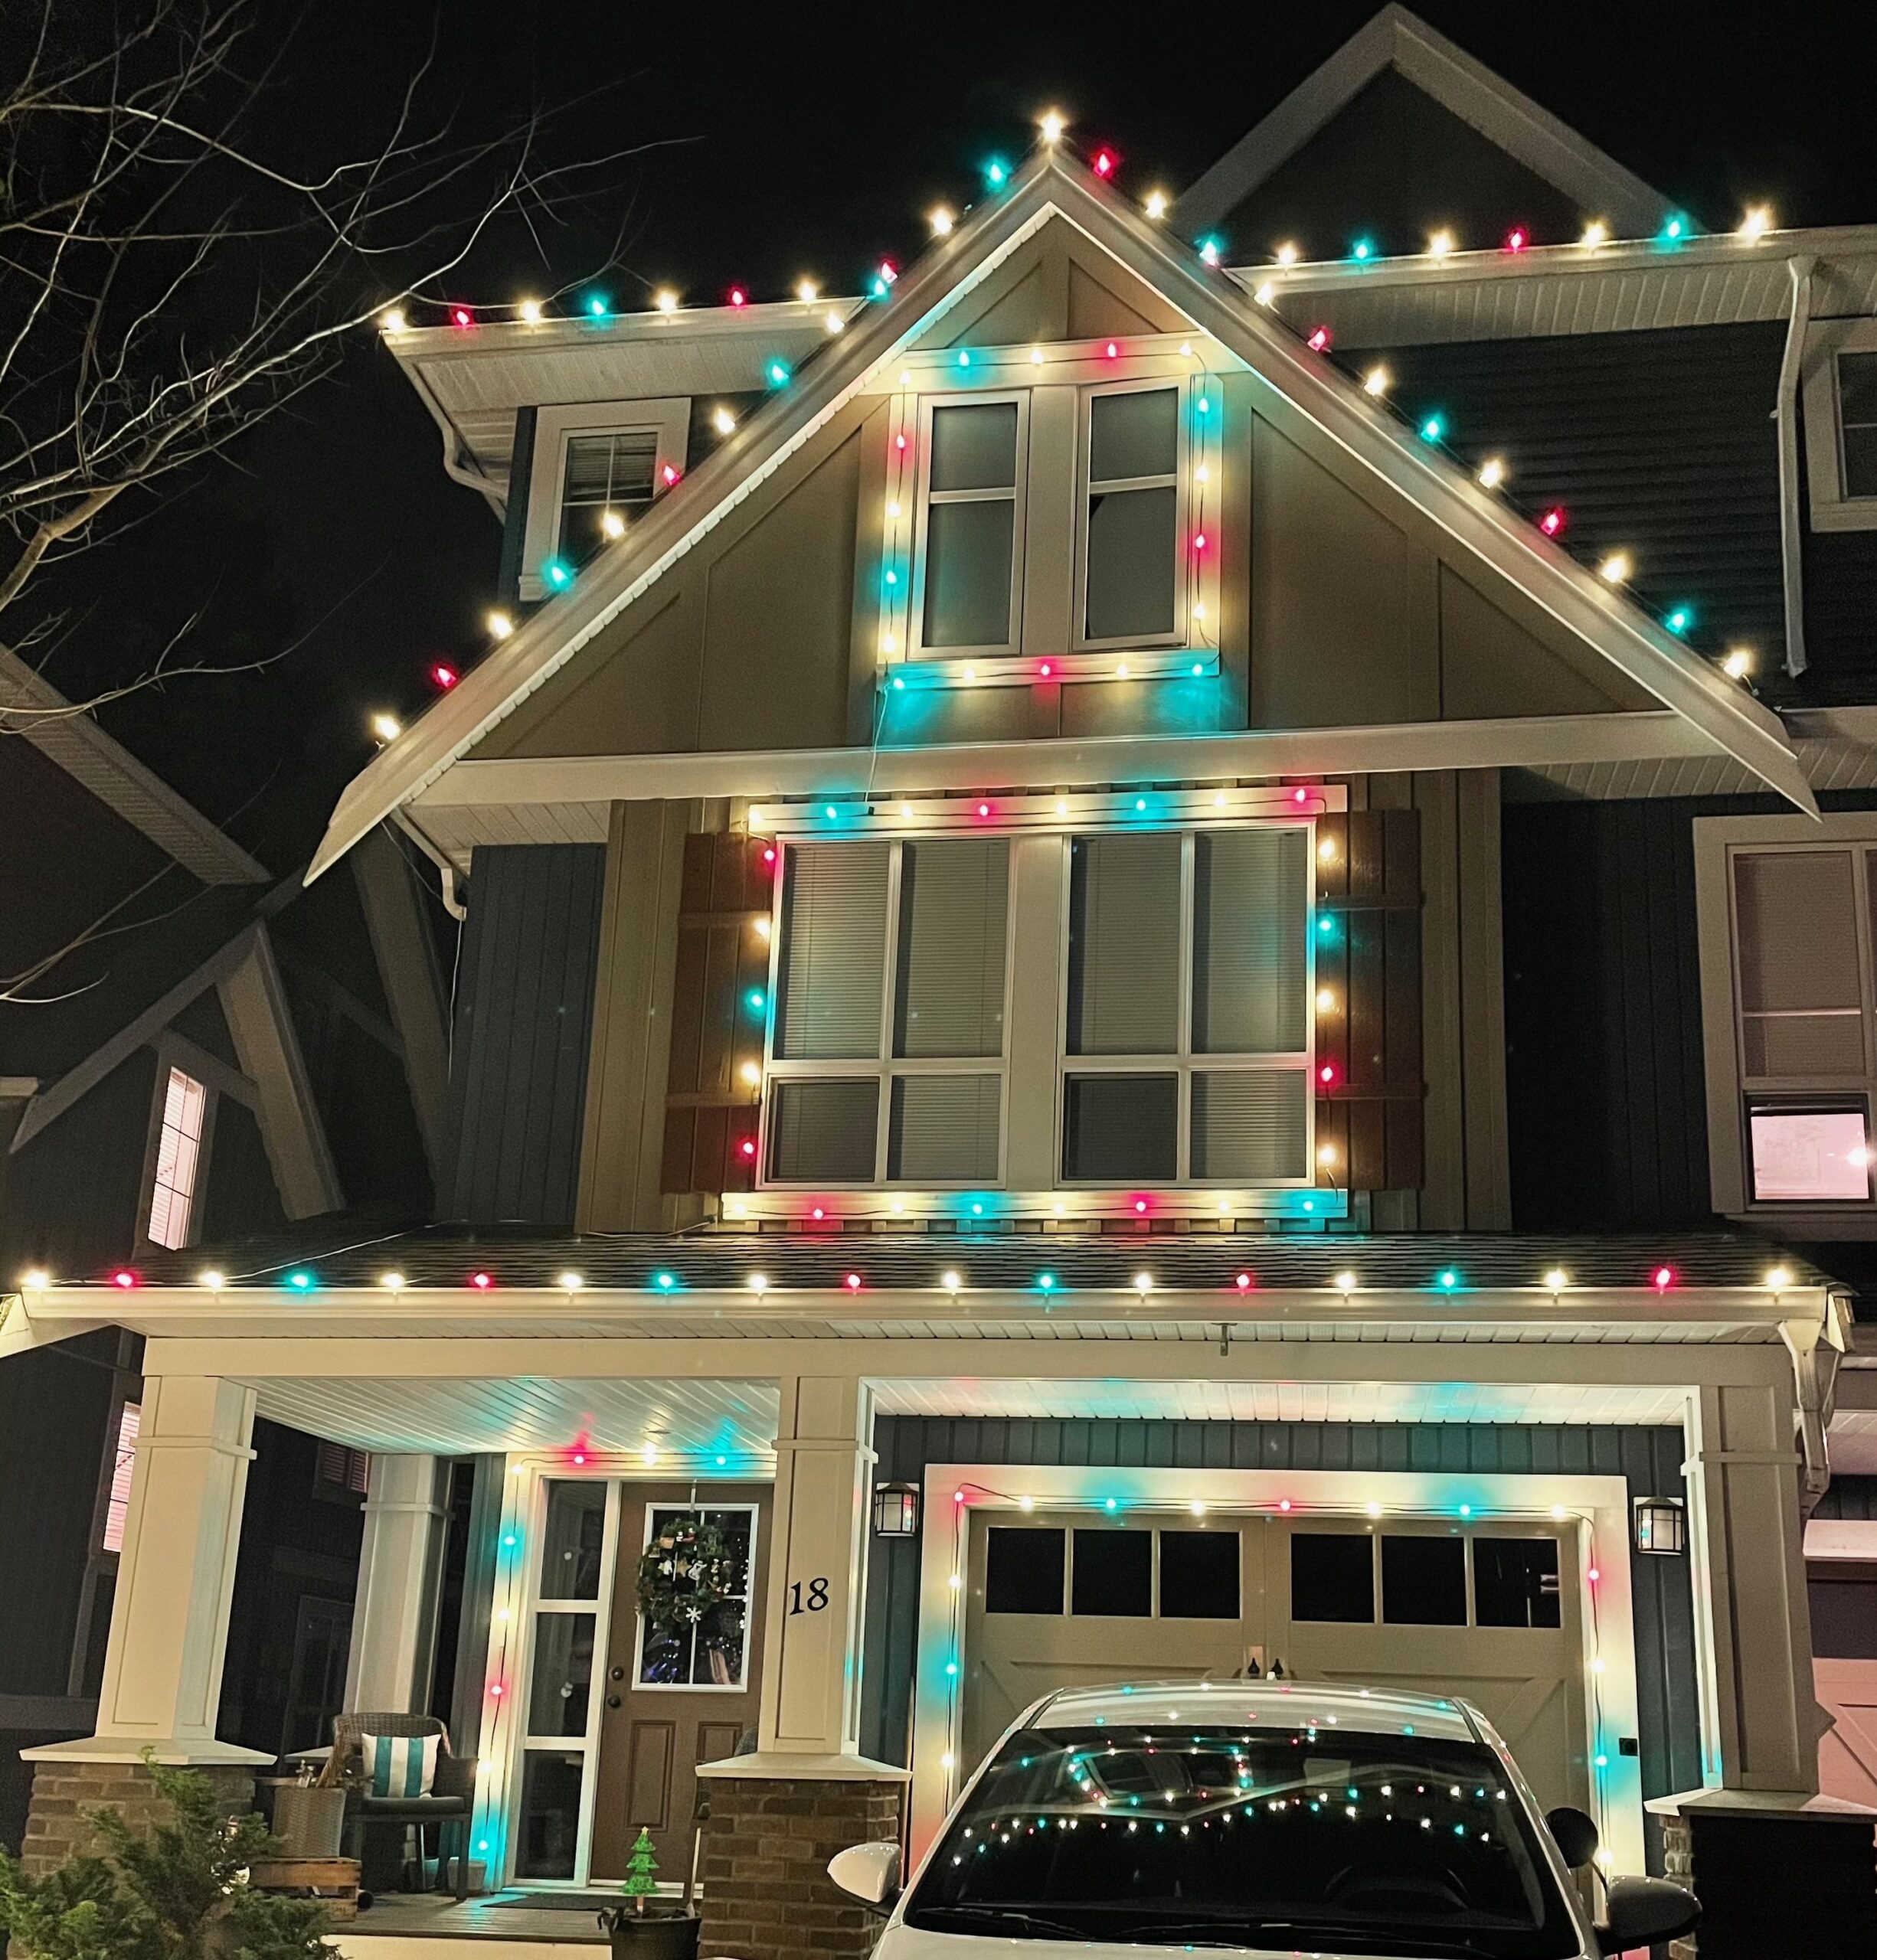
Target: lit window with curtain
886 1061
1186 1028
178 1152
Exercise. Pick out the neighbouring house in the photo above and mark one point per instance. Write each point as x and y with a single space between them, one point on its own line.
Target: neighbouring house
1167 969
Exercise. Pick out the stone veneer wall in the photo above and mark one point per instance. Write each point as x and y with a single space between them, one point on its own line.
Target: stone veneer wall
58 1824
767 1893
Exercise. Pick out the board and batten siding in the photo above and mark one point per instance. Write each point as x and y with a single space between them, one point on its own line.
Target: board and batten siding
1649 1460
524 1019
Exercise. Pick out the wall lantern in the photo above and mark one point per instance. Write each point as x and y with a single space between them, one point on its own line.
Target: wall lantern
896 1510
1661 1526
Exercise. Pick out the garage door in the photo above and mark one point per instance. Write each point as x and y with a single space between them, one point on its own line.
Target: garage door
1072 1598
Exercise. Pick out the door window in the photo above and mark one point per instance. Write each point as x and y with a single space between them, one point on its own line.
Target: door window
694 1633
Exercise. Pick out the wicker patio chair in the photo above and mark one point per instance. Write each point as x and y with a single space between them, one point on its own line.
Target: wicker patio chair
451 1800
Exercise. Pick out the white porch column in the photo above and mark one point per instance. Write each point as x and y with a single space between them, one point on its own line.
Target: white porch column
169 1618
811 1656
1760 1724
394 1612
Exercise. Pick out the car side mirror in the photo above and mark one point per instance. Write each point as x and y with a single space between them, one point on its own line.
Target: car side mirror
869 1873
1574 1834
1645 1911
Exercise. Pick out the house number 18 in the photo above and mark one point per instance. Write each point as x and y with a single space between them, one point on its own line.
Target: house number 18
817 1601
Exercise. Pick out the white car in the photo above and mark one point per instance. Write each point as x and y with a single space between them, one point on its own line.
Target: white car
1254 1818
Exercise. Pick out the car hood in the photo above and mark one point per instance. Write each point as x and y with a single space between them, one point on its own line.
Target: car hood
902 1942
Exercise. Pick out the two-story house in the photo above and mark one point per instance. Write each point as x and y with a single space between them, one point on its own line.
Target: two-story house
1152 985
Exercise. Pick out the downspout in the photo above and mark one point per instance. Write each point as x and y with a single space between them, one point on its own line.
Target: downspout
1786 413
1817 1347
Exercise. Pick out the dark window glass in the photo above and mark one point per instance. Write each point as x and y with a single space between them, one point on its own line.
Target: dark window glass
1332 1576
1857 412
557 1697
1199 1574
1424 1581
968 554
1844 1618
1134 554
573 1543
822 1132
1515 1582
1023 1570
607 476
1113 1574
1121 1129
550 1820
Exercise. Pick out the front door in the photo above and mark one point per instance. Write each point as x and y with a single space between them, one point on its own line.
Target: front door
676 1693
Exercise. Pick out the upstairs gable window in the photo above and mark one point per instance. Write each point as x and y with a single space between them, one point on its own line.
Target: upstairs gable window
968 600
1129 587
596 469
607 482
1840 400
179 1139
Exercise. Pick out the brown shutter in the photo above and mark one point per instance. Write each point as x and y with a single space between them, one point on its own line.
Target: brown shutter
711 1113
1372 1113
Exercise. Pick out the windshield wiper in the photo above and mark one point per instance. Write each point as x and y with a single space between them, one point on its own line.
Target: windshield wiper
999 1919
1255 1932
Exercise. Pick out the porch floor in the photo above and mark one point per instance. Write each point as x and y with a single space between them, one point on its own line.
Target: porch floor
428 1917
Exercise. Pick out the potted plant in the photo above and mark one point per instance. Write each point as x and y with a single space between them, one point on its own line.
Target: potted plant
638 1930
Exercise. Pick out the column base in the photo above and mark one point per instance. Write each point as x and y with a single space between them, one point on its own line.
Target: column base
72 1779
771 1830
1781 1875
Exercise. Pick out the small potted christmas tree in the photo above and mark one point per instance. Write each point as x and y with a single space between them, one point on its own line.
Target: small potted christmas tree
637 1931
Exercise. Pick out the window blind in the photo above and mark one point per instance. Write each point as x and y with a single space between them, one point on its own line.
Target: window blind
1249 1125
944 1129
954 926
1251 954
1124 907
1801 996
1122 1129
834 952
823 1132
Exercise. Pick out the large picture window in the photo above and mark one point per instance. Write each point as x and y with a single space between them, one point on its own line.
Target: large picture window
1186 1027
886 1061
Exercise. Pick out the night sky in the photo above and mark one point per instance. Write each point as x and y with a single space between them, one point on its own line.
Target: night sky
774 142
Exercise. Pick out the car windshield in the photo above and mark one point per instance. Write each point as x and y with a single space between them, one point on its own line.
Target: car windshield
1250 1835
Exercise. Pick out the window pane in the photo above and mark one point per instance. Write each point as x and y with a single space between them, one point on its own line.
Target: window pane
975 448
550 1820
1860 461
1134 434
573 1540
611 473
1857 388
1332 1576
944 1130
1199 1574
1124 945
832 973
1818 1156
1121 1129
1798 940
1515 1583
1250 1125
1113 1574
1250 931
953 907
1023 1570
822 1132
557 1696
967 573
1133 556
1424 1581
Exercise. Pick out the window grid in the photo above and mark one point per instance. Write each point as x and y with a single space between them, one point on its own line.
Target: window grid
630 483
179 1150
929 407
740 1685
117 1506
1857 426
1185 1063
884 1068
1180 481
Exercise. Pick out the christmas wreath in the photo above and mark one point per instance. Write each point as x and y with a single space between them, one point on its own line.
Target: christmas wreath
689 1568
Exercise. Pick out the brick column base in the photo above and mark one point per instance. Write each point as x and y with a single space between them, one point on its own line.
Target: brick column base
767 1893
57 1823
1773 1887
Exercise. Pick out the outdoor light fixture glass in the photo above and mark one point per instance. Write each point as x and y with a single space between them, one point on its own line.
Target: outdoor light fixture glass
1661 1526
896 1510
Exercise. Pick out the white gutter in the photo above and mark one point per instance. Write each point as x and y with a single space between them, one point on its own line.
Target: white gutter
1786 413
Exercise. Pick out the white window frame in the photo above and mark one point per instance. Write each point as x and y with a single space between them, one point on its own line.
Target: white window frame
1718 841
930 407
885 1067
1833 508
170 1060
667 417
1185 399
750 1604
1184 1063
1036 966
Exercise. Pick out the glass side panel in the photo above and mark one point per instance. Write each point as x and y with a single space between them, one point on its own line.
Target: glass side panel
574 1540
547 1832
558 1695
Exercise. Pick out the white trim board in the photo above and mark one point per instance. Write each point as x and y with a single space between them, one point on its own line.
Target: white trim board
1505 115
1321 410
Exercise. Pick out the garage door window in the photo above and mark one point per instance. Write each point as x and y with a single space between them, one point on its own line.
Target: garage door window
1023 1570
1333 1577
1515 1583
1424 1581
1113 1575
1198 1575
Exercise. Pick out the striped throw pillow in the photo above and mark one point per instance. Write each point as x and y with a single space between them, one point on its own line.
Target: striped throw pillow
398 1765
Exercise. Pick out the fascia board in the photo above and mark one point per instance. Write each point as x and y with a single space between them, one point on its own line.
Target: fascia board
1309 400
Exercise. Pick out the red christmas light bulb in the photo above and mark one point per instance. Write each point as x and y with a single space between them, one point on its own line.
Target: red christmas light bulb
1318 342
445 676
738 297
1517 238
461 316
1552 521
481 1281
1104 163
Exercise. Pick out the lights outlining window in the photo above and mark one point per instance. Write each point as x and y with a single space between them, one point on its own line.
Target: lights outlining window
1130 546
117 1505
179 1161
968 598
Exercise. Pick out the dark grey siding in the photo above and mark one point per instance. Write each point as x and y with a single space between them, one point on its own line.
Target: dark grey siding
524 1016
1649 1460
72 1193
514 522
241 1198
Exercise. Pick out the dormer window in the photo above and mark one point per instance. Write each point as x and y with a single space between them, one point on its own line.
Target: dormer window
598 467
1840 402
606 483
